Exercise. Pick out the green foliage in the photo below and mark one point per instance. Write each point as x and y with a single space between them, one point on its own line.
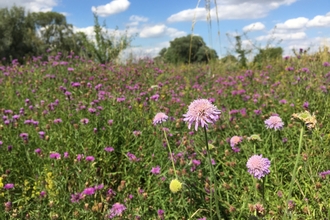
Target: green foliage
268 55
105 47
188 49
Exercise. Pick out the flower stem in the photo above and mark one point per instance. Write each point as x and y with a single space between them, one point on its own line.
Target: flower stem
168 145
295 168
212 176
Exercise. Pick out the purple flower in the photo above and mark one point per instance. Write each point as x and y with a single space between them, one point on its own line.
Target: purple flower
116 210
89 191
159 118
201 112
110 122
155 170
9 186
42 134
305 105
76 197
324 174
55 155
24 136
258 166
274 122
90 158
108 149
66 154
84 120
235 140
160 213
58 120
42 194
37 151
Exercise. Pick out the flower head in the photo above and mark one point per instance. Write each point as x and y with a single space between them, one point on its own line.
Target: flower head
116 210
155 170
201 112
159 118
274 122
258 166
175 186
235 140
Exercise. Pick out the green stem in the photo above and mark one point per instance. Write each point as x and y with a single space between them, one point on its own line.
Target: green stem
168 145
295 168
212 177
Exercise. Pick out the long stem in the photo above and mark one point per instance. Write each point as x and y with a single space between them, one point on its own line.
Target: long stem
212 177
168 145
295 168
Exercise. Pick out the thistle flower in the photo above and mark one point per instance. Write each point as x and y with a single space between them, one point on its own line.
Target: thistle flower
155 170
274 122
116 210
175 186
201 112
159 118
258 166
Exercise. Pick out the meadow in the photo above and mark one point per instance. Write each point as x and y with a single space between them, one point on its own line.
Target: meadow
80 140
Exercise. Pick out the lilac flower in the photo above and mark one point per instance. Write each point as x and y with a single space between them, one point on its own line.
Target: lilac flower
89 191
155 170
9 186
159 118
76 197
89 158
274 122
55 155
201 112
108 149
116 210
258 166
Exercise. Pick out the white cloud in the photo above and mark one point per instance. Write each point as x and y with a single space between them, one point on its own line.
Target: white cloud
320 21
114 7
254 27
295 23
160 31
31 5
283 36
231 9
135 20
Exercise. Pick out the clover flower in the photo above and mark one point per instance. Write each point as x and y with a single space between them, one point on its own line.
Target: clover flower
201 112
258 166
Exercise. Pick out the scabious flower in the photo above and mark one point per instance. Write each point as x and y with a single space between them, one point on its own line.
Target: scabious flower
324 174
175 185
155 170
116 210
159 118
234 141
274 122
258 166
201 112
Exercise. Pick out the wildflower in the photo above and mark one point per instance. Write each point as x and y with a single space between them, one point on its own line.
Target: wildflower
41 134
66 154
9 186
76 197
201 112
89 158
159 118
155 170
58 120
235 140
274 122
24 136
89 191
108 149
324 174
116 210
84 120
258 166
37 151
42 194
160 213
305 105
110 122
175 186
55 155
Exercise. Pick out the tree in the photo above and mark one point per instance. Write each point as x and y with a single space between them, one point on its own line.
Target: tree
188 49
106 47
268 54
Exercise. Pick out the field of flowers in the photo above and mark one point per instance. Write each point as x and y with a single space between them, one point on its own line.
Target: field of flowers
81 140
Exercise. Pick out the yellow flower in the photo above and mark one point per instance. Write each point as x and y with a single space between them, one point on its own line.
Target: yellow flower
175 186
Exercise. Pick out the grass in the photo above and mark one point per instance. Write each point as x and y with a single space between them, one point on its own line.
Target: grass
122 145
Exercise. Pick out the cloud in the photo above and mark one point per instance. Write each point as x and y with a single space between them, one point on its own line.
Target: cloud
254 27
160 31
31 5
320 21
135 20
114 7
231 9
283 36
295 23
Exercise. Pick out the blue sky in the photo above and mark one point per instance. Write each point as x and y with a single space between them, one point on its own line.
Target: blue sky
154 23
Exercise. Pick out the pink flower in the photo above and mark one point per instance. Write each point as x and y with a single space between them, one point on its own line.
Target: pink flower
201 112
274 122
258 166
159 118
